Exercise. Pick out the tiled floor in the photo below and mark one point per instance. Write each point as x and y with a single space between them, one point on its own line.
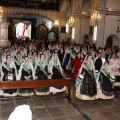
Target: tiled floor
60 108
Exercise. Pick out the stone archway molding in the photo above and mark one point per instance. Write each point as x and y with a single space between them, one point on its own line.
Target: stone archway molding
50 14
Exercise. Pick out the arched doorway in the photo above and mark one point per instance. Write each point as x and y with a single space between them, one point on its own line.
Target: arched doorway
22 29
41 32
52 35
112 40
85 39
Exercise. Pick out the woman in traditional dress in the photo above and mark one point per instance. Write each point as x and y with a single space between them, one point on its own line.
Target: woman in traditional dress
41 74
105 90
114 65
9 73
67 58
56 71
26 72
86 88
18 60
34 59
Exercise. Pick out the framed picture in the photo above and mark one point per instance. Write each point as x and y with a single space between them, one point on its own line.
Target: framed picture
63 29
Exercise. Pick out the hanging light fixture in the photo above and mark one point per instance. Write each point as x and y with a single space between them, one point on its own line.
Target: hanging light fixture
71 21
95 18
1 13
56 23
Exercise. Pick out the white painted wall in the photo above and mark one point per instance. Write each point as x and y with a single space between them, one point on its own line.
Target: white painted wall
100 32
116 40
113 4
111 27
85 24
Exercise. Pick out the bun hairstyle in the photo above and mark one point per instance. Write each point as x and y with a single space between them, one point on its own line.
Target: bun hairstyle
113 54
18 53
8 56
106 62
25 56
78 52
89 56
41 55
55 53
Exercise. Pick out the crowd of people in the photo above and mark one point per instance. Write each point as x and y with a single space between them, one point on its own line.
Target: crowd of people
93 69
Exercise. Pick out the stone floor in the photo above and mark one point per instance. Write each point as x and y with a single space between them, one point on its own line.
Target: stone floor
58 107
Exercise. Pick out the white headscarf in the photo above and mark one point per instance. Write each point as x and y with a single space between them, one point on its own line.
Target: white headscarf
21 112
50 65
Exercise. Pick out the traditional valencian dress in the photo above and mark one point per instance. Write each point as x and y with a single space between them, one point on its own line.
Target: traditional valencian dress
34 62
9 73
17 63
56 71
26 70
104 81
114 68
41 73
86 88
67 58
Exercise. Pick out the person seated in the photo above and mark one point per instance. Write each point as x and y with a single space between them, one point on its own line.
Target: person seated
56 71
26 72
9 73
114 65
42 74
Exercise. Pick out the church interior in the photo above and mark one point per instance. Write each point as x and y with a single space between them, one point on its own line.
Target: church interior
73 40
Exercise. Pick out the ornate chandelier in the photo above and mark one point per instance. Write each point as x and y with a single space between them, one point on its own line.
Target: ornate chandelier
56 23
1 13
95 18
71 21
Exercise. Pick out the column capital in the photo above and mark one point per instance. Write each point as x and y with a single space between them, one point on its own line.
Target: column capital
82 16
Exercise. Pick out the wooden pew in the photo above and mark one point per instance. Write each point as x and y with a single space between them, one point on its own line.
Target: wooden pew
37 83
117 81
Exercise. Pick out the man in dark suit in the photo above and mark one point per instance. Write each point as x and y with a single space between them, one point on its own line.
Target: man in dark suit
100 61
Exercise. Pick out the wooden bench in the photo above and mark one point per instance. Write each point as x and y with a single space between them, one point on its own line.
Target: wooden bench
37 83
117 81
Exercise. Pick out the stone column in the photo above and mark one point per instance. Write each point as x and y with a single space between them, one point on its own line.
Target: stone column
62 29
77 28
4 34
100 31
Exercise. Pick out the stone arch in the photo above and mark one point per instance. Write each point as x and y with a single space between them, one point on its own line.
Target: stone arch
41 31
112 40
52 35
101 3
86 6
85 39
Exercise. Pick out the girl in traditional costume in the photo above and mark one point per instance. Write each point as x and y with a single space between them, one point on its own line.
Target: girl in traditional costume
56 71
105 83
18 60
41 74
67 58
114 65
26 72
9 73
86 88
34 59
